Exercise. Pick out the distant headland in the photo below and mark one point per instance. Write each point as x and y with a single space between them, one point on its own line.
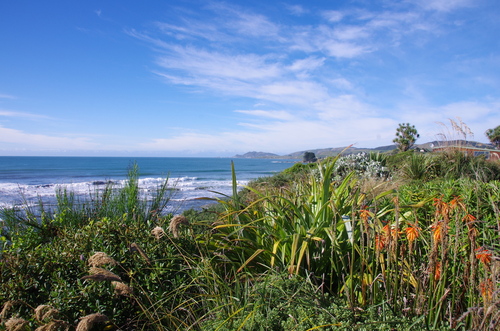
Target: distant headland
326 152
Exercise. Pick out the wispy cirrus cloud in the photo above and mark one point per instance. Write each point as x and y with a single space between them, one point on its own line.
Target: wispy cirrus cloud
296 10
315 71
200 62
244 22
10 113
25 140
268 114
445 5
343 34
333 16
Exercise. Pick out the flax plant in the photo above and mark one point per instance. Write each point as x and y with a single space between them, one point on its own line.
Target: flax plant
299 230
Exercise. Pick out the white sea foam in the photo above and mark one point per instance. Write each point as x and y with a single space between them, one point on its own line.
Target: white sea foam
182 189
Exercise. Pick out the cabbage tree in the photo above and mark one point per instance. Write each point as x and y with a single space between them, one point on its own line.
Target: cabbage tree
406 135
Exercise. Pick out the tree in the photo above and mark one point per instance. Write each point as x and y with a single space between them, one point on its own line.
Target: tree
406 135
309 157
494 136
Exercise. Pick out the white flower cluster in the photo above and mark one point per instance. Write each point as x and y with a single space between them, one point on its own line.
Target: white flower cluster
361 164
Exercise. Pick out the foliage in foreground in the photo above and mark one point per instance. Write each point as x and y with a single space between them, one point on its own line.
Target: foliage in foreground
310 251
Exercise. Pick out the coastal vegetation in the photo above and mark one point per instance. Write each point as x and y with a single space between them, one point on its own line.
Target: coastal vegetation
405 241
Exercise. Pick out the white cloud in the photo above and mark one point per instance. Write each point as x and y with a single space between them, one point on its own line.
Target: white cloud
29 140
7 96
342 49
245 22
468 110
350 32
255 25
333 15
285 135
307 64
296 9
310 71
9 113
342 83
345 106
273 114
298 93
445 5
199 62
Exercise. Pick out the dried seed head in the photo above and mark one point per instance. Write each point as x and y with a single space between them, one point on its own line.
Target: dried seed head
16 324
45 312
100 259
87 322
158 232
5 310
99 274
54 326
175 223
122 288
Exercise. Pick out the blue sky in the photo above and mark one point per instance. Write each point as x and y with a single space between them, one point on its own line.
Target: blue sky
216 78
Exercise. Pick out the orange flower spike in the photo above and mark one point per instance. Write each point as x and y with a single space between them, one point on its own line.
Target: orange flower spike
457 202
379 242
437 229
437 271
469 219
438 203
486 288
442 208
412 233
484 255
389 232
365 214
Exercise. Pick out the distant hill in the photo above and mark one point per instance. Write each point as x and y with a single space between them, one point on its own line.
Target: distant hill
257 155
325 152
320 152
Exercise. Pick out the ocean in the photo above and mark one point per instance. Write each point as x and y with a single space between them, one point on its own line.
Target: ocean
33 179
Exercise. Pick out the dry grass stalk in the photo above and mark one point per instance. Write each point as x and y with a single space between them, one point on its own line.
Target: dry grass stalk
458 131
88 322
55 325
99 274
45 312
5 310
122 288
135 248
16 324
100 258
175 224
158 232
